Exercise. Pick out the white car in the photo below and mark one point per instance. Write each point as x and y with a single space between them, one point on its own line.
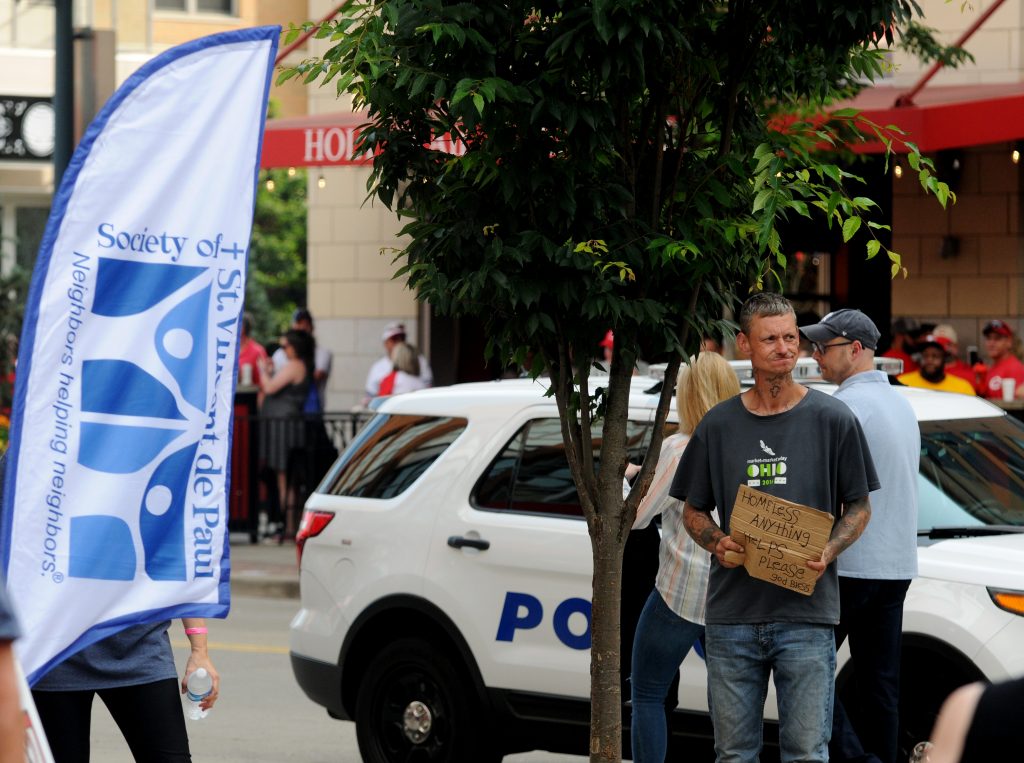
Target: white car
446 575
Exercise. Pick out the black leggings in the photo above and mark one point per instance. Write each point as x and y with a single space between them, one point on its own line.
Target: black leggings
149 716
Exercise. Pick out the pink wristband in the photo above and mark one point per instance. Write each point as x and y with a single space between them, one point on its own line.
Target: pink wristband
194 631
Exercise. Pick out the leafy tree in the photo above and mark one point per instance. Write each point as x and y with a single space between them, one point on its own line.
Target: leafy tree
277 252
627 164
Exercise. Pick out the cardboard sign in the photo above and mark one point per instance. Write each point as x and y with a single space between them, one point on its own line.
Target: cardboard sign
780 537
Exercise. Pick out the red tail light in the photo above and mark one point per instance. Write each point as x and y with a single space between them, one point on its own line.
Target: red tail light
312 524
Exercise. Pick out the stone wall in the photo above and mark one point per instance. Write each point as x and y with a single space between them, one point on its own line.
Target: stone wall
983 280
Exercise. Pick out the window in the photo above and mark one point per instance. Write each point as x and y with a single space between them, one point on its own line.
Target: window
389 454
29 224
972 473
224 7
532 473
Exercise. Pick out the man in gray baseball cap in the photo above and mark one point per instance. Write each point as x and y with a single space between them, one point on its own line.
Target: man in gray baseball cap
852 325
874 573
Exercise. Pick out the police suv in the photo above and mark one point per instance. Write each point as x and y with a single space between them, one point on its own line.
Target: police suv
446 575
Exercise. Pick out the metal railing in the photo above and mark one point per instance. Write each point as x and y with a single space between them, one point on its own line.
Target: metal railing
302 448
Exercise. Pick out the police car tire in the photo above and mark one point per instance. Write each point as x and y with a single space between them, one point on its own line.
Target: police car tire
410 671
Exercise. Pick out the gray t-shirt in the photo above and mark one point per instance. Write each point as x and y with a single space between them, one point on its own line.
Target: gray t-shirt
814 454
140 654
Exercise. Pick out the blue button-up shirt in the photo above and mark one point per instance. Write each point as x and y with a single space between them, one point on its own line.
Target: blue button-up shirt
887 550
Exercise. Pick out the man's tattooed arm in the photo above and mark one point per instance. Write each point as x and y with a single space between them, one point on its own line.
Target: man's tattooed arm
708 535
856 515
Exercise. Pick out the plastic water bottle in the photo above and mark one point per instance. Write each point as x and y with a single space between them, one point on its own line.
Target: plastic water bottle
199 684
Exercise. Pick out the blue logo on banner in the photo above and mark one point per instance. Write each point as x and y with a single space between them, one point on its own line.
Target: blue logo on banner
101 545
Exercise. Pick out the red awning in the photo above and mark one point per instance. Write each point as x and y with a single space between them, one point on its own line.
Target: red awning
951 116
318 140
324 140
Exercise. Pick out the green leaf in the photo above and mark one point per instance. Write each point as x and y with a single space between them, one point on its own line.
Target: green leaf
478 102
850 227
799 206
873 246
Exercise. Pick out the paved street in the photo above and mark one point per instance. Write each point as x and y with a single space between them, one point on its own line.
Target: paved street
262 714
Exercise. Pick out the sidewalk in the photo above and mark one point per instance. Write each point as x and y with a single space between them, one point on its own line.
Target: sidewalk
263 570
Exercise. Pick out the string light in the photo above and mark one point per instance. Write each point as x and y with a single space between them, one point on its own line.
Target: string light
291 172
270 184
897 170
1015 156
321 182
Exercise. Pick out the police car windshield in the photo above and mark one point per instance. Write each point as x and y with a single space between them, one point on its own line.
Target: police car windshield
972 477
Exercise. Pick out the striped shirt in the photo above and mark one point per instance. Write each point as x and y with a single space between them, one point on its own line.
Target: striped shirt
683 566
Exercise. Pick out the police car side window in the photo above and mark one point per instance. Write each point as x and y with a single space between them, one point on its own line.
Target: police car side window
390 454
531 474
973 471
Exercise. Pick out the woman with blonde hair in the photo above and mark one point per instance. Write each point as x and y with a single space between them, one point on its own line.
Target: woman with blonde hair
673 618
405 374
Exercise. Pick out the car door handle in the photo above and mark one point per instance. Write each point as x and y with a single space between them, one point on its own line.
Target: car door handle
457 541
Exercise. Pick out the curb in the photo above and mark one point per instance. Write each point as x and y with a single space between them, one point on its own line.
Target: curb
264 587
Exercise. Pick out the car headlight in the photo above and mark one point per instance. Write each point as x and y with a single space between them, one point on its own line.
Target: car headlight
1011 601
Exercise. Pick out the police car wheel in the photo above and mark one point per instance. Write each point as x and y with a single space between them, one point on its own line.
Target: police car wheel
414 706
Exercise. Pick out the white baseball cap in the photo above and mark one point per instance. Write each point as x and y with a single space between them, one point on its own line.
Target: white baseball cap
392 330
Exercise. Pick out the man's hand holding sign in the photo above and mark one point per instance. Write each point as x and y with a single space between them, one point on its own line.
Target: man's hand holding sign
731 549
781 540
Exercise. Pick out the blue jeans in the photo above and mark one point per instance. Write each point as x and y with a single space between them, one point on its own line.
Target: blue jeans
741 658
662 640
872 618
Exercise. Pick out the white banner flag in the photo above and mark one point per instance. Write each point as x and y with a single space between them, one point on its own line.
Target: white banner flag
115 507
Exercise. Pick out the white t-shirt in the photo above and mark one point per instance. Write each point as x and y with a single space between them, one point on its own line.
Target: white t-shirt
383 366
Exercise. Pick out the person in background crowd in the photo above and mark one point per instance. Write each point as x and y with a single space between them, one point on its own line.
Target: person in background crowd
874 573
711 344
673 617
978 723
282 427
406 374
903 332
607 345
933 373
955 365
302 320
756 629
251 355
999 345
394 333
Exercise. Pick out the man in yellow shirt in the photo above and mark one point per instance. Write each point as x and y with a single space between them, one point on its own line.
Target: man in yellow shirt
932 373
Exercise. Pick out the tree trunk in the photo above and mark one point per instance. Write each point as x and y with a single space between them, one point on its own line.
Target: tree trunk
605 688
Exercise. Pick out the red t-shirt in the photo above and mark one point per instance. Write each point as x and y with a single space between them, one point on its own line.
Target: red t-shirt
908 362
961 369
251 353
1007 368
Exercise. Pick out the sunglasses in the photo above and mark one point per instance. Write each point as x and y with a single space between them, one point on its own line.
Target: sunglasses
823 348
